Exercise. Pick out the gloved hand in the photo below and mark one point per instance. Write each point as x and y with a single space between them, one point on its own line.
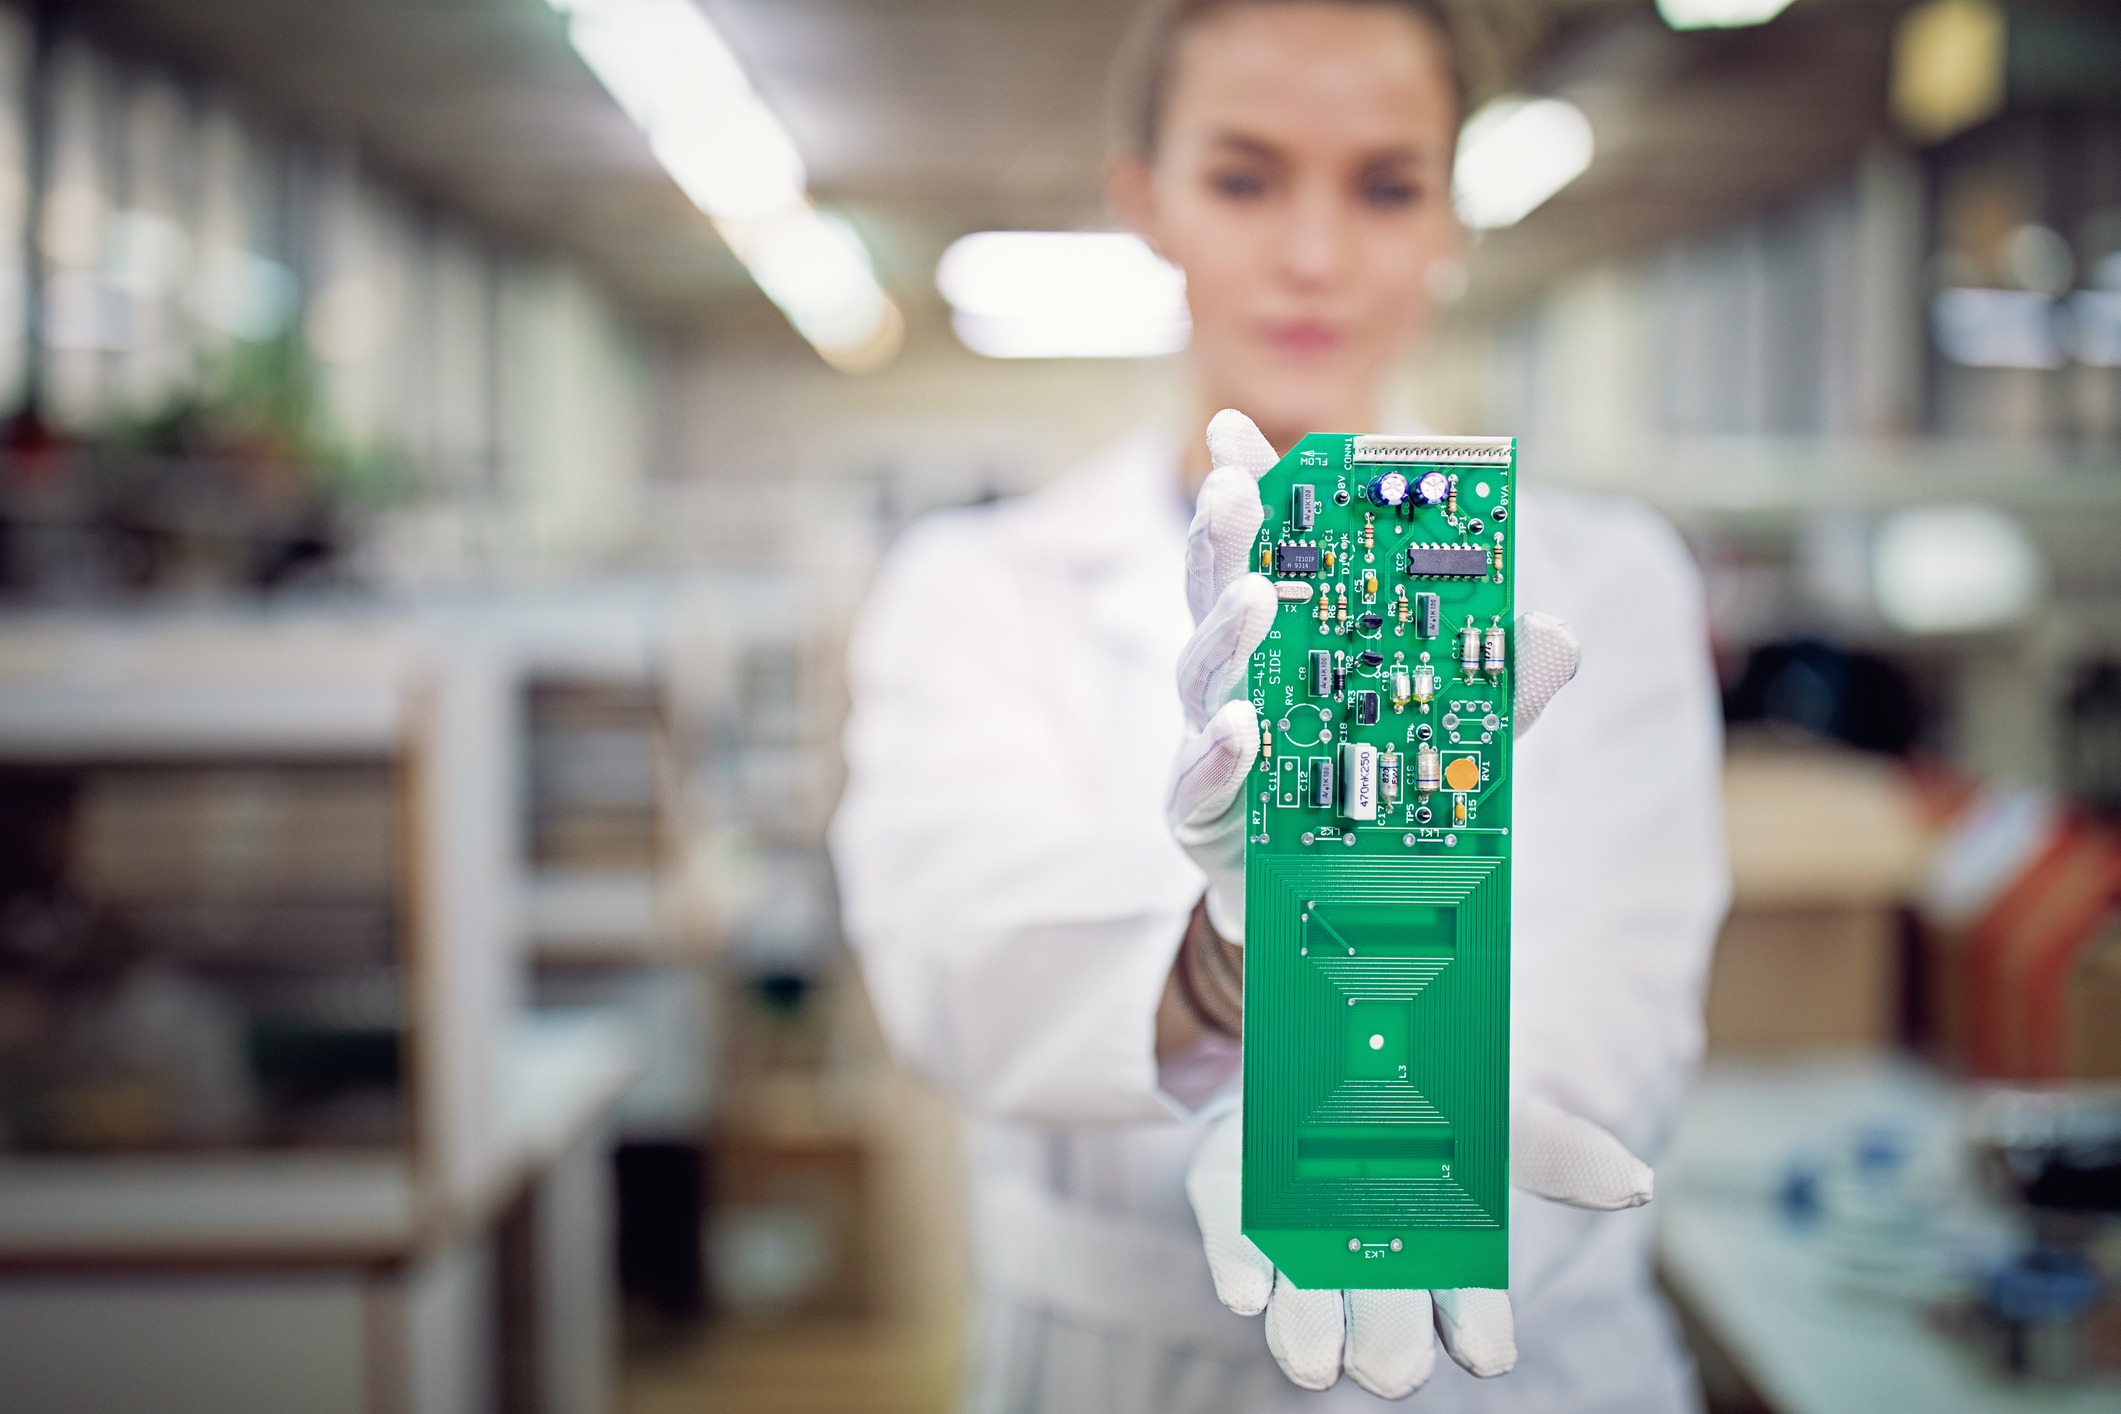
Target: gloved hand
1382 1338
1232 611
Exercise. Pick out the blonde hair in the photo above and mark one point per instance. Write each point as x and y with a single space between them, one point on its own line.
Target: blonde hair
1141 76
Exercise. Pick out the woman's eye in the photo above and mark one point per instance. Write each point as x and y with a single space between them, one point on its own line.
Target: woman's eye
1389 193
1239 185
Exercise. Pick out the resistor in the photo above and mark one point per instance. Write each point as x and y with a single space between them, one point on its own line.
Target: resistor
1369 531
1341 609
1469 648
1494 649
1428 770
1266 747
1406 607
1402 687
1496 559
1451 508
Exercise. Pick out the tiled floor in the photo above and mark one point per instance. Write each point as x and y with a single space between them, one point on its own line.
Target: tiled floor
851 1367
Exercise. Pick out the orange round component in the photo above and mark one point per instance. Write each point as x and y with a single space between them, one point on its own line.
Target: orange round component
1463 773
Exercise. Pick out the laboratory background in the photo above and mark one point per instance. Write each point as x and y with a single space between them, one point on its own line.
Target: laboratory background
446 444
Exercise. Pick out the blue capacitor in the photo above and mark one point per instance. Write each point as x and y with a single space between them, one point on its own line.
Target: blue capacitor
1389 489
1433 489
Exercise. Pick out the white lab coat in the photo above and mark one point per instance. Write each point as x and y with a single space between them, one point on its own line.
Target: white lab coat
1016 901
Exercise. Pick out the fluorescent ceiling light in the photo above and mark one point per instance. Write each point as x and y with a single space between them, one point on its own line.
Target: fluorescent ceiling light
1063 294
726 150
1515 153
1719 14
1955 569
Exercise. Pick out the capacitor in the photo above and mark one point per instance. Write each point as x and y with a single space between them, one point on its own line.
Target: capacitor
1322 782
1402 686
1428 770
1321 673
1458 810
1469 648
1433 489
1494 649
1369 584
1425 685
1329 559
1303 506
1389 489
1388 776
1431 614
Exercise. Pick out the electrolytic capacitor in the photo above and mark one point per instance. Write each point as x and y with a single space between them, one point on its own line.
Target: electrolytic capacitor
1428 770
1469 648
1389 489
1433 488
1425 685
1494 649
1402 686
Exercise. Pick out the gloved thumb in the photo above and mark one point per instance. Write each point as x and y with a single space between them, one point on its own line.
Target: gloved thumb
1568 1159
1212 766
1227 515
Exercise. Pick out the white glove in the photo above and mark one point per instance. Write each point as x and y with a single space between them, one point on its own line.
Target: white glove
1382 1338
1232 611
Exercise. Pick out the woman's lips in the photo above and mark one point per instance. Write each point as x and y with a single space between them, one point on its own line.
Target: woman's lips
1303 337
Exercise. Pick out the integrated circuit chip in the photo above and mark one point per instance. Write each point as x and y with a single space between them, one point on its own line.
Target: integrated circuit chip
1447 561
1303 559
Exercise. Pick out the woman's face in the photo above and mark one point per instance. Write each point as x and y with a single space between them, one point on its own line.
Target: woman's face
1302 182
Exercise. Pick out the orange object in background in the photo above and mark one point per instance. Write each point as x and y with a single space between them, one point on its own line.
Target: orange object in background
2021 970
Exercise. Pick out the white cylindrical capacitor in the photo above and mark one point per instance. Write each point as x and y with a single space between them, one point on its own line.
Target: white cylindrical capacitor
1428 770
1402 685
1388 777
1494 650
1424 684
1469 649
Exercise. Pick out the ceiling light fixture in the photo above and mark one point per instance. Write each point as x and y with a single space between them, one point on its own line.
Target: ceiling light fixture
1515 153
726 150
1063 294
1719 14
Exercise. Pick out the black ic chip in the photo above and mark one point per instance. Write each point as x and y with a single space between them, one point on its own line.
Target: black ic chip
1301 559
1365 709
1447 561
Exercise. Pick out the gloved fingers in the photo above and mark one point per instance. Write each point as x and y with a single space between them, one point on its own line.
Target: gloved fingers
1547 655
1306 1333
1391 1341
1216 660
1227 514
1478 1329
1244 1278
1235 440
1570 1160
1212 766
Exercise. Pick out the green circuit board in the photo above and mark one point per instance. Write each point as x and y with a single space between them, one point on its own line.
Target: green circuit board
1377 866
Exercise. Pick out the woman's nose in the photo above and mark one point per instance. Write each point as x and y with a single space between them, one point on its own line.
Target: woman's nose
1315 244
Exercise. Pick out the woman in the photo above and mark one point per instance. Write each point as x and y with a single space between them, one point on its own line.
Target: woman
1037 941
